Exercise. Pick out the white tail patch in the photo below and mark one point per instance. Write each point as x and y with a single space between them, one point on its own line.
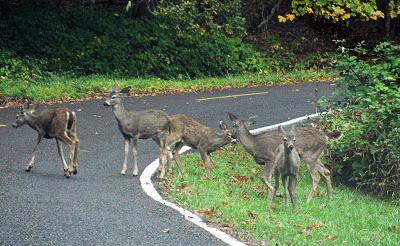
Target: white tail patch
66 122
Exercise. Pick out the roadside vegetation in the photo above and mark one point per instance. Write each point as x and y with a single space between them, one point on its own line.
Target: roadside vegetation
235 199
364 163
368 155
66 49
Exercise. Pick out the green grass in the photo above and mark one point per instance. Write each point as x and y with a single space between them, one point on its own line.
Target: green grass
236 200
66 88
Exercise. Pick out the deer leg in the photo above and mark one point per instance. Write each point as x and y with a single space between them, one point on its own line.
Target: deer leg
206 160
267 175
71 143
326 174
276 187
163 159
75 156
30 164
313 169
126 152
177 159
285 186
67 173
315 180
292 190
135 170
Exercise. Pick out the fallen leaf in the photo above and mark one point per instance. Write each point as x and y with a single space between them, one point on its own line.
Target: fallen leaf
322 206
249 222
210 212
253 170
279 225
252 214
241 179
224 202
167 230
183 186
331 237
315 226
257 188
79 110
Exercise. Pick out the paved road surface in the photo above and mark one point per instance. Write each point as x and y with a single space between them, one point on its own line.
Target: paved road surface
99 206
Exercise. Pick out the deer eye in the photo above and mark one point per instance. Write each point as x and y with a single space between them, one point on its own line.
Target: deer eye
114 96
285 139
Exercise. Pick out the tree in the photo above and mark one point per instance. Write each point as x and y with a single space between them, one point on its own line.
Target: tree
334 10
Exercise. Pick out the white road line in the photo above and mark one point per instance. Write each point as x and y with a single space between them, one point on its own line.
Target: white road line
148 187
232 96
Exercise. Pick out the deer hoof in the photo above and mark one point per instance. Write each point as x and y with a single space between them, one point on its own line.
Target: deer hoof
135 173
75 172
123 172
28 169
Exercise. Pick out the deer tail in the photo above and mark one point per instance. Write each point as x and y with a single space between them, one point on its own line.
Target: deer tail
71 120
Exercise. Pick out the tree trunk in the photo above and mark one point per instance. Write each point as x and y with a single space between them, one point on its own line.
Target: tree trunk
144 8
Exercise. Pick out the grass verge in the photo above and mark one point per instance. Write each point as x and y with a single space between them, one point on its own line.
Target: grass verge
65 88
235 199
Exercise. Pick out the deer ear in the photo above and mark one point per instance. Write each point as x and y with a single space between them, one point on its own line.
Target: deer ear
232 117
222 125
25 105
253 119
115 88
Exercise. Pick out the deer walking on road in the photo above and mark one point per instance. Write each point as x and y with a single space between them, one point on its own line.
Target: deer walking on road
59 123
135 125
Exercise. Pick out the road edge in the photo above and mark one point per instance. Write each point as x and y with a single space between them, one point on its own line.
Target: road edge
148 187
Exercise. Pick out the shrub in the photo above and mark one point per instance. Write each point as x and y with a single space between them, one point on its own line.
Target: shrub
368 154
13 67
95 40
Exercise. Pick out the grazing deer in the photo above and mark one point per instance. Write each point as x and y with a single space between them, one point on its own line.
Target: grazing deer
187 131
311 142
135 125
287 165
59 123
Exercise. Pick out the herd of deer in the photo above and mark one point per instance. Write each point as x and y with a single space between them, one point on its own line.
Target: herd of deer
279 151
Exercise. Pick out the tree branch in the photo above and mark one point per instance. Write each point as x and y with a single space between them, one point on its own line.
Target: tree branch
271 14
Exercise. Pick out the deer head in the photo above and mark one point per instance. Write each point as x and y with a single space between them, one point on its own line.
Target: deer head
289 138
24 115
240 125
114 97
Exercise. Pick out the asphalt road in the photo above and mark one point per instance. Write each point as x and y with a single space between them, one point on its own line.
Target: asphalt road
99 206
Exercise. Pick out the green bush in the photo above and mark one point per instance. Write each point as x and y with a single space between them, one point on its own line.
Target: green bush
13 67
368 154
90 40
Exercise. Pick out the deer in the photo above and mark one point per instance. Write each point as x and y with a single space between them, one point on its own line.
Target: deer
135 125
57 123
187 131
287 164
310 145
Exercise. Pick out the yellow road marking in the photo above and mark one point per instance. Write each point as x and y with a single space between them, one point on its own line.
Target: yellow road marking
232 96
2 125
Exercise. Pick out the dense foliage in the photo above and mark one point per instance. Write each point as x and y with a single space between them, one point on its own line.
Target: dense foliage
337 10
222 16
369 151
87 40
